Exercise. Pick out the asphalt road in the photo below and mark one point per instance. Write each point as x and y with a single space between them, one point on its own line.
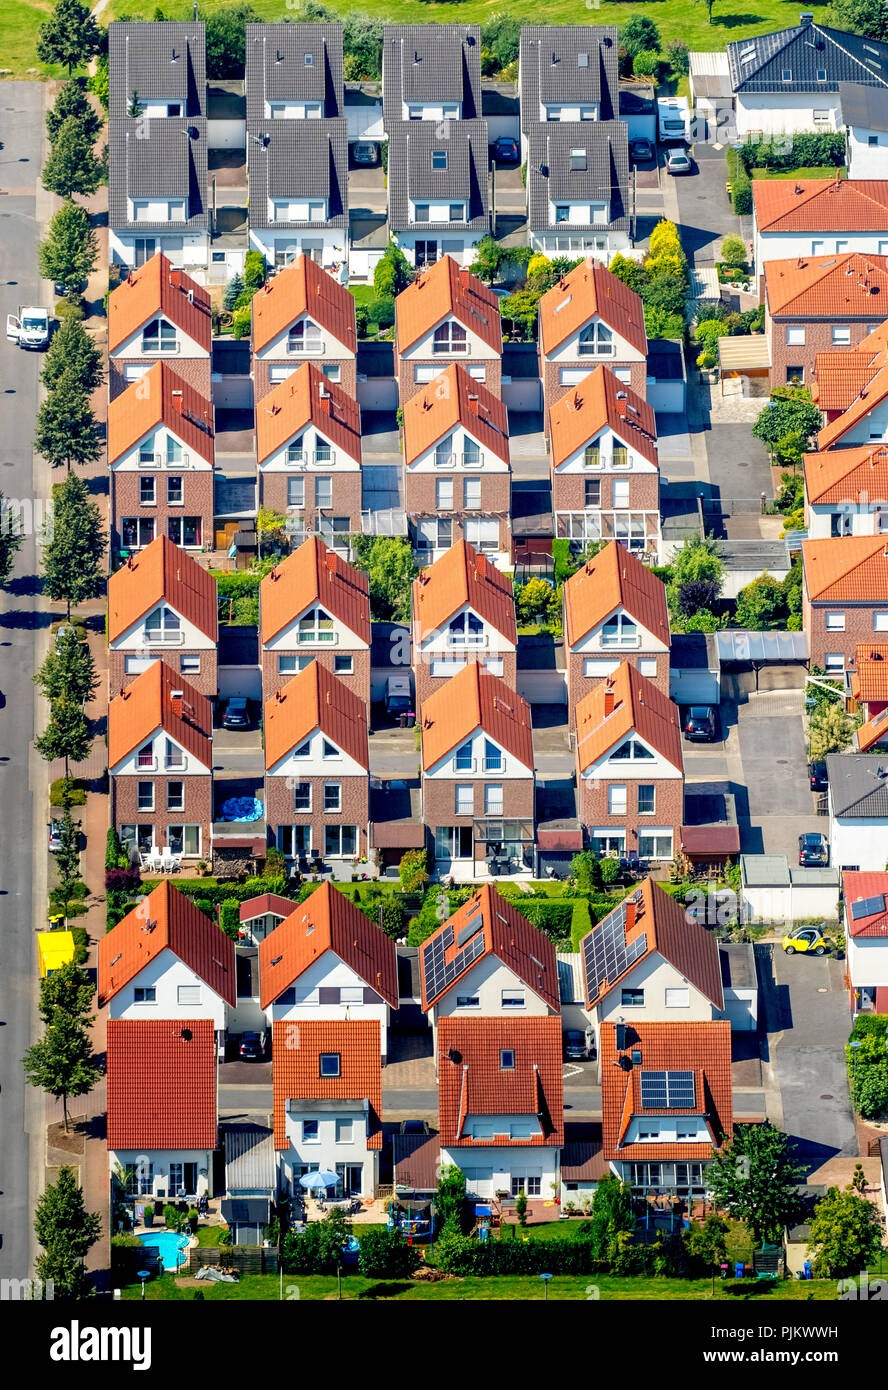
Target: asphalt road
22 124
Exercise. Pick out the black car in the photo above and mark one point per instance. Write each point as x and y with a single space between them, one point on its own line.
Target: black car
252 1048
236 714
813 850
817 776
641 150
699 724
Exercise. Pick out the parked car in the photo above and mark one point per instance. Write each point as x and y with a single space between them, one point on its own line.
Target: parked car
63 290
55 836
398 700
817 776
678 162
365 152
807 940
252 1048
236 714
414 1127
576 1049
700 725
505 150
641 150
813 850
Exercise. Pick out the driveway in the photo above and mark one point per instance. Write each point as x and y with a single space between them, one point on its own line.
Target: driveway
705 212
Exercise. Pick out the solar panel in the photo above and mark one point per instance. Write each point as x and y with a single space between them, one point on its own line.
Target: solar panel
867 907
667 1090
438 973
606 953
469 931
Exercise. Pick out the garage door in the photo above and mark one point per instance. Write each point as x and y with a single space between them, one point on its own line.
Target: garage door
523 393
543 687
694 687
240 680
739 1012
667 397
378 393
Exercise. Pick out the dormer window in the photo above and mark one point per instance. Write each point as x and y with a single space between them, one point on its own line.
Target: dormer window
450 337
821 74
439 159
308 59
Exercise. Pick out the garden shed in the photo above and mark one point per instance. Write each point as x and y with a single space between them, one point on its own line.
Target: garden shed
745 359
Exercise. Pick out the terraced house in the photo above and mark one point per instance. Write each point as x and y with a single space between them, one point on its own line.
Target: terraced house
578 188
820 303
303 315
844 597
159 313
852 392
447 315
567 73
846 492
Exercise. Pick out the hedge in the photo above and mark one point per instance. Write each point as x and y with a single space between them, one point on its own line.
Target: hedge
76 793
229 917
466 1256
805 150
551 915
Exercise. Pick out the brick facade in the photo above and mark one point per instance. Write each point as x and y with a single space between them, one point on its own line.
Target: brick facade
198 807
858 628
346 493
358 682
818 338
668 803
420 501
569 491
439 800
262 383
205 680
579 686
355 799
197 371
426 684
553 390
197 493
407 386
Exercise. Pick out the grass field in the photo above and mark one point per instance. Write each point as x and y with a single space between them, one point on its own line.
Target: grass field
816 172
19 24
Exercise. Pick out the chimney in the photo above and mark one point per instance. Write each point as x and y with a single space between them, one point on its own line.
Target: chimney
177 401
608 699
806 18
273 575
630 916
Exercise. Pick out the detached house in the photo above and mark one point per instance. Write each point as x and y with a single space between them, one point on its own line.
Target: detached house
162 1115
308 446
447 315
161 454
614 611
430 72
160 760
578 188
438 188
457 466
846 492
315 606
303 314
501 1103
317 788
590 317
327 960
815 303
463 609
478 775
844 596
162 603
167 959
157 149
866 934
159 312
666 1103
605 470
567 73
328 1103
630 770
818 217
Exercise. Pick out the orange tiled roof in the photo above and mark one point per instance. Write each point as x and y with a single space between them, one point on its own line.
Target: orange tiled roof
869 394
615 578
155 288
701 1048
598 401
460 577
296 1070
162 571
472 1081
839 377
303 287
638 707
452 399
820 205
842 475
848 286
147 705
586 292
444 291
687 945
166 920
869 681
307 397
327 921
856 887
846 568
872 733
314 574
160 397
267 904
315 699
474 699
507 935
161 1084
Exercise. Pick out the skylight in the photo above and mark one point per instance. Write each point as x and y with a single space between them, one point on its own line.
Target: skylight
747 55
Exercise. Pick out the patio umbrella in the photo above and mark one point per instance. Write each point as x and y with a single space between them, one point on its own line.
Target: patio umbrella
323 1178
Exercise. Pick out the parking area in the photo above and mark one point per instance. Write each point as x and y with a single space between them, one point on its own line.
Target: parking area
779 805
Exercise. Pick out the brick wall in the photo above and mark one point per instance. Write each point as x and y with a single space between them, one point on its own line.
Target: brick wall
569 490
205 681
669 804
496 497
197 492
197 371
198 806
355 807
407 387
818 338
438 801
348 373
426 684
578 685
359 682
553 390
858 628
346 495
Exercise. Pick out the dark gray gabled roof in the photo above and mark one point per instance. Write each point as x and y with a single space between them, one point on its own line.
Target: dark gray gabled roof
856 789
298 159
568 63
430 63
163 158
411 175
276 67
863 106
552 177
757 65
157 61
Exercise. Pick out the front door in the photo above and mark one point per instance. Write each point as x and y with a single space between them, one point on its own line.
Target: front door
350 1179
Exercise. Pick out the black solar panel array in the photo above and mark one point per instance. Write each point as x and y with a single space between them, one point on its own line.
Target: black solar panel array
667 1090
867 907
437 973
606 953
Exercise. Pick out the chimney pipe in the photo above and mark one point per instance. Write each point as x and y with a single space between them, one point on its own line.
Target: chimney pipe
608 699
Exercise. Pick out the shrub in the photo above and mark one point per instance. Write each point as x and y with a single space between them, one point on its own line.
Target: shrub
319 1249
610 871
678 56
229 918
381 311
241 322
585 867
254 270
413 870
385 1254
551 915
69 309
170 1217
390 914
646 63
122 880
741 193
76 794
733 251
113 849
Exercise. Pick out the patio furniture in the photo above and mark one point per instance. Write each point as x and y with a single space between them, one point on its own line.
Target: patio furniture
156 859
166 860
177 863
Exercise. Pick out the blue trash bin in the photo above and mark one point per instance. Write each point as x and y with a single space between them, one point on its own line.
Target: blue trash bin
738 1270
806 1270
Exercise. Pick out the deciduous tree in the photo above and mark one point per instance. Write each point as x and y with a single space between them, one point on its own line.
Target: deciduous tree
74 546
754 1179
68 669
846 1234
10 537
61 1062
66 735
70 36
866 17
69 253
71 166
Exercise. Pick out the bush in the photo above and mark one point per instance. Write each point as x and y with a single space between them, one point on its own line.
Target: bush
76 793
550 915
741 193
241 321
69 309
381 311
610 871
319 1249
122 880
462 1255
385 1254
580 923
170 1217
733 251
646 63
585 868
678 56
113 850
229 917
413 870
254 270
389 913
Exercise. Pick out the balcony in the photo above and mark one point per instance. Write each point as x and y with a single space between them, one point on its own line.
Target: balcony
164 461
305 349
463 460
311 458
175 764
157 347
146 764
318 638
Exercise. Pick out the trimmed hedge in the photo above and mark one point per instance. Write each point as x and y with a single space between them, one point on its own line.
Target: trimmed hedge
551 915
741 184
805 150
229 917
466 1256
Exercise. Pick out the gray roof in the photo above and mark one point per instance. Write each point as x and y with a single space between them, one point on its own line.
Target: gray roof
550 176
411 176
856 788
637 99
693 651
164 158
764 870
568 63
744 645
571 986
163 61
249 1158
298 159
737 961
804 51
863 106
276 69
430 63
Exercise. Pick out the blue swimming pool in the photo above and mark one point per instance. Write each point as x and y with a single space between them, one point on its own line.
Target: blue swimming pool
172 1247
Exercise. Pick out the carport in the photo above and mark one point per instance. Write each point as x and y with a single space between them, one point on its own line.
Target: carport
694 669
744 655
745 359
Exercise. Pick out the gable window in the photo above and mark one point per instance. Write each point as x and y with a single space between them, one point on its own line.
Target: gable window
678 998
145 757
450 337
159 336
493 758
632 998
468 1001
444 456
304 750
162 622
632 748
188 994
592 455
463 762
304 336
507 1059
513 999
145 994
619 631
316 626
329 1064
466 630
329 750
619 456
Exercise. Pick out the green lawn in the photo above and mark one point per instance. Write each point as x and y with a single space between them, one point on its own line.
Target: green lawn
21 20
826 171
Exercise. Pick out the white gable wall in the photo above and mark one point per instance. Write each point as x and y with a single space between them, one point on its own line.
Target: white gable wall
330 971
189 767
165 973
136 639
315 764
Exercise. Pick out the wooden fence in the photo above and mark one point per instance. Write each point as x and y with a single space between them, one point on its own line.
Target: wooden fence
243 1259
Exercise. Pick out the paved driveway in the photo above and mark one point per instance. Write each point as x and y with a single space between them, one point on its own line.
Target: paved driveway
706 214
779 806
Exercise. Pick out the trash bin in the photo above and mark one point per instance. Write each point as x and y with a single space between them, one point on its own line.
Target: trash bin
806 1270
411 721
402 721
738 1270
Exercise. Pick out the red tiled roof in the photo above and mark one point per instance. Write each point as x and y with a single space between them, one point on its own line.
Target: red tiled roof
601 400
839 377
507 935
454 398
314 574
416 1160
686 945
166 920
702 1048
305 398
615 578
870 394
160 397
872 733
471 1080
586 292
462 577
841 475
869 681
155 288
315 699
851 569
147 705
444 291
267 904
636 706
857 887
296 1070
847 286
820 205
327 921
161 1084
162 571
299 288
474 699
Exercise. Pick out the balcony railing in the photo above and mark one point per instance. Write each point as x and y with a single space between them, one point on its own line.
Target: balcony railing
309 347
627 640
316 636
152 345
175 764
164 461
311 458
466 641
146 764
